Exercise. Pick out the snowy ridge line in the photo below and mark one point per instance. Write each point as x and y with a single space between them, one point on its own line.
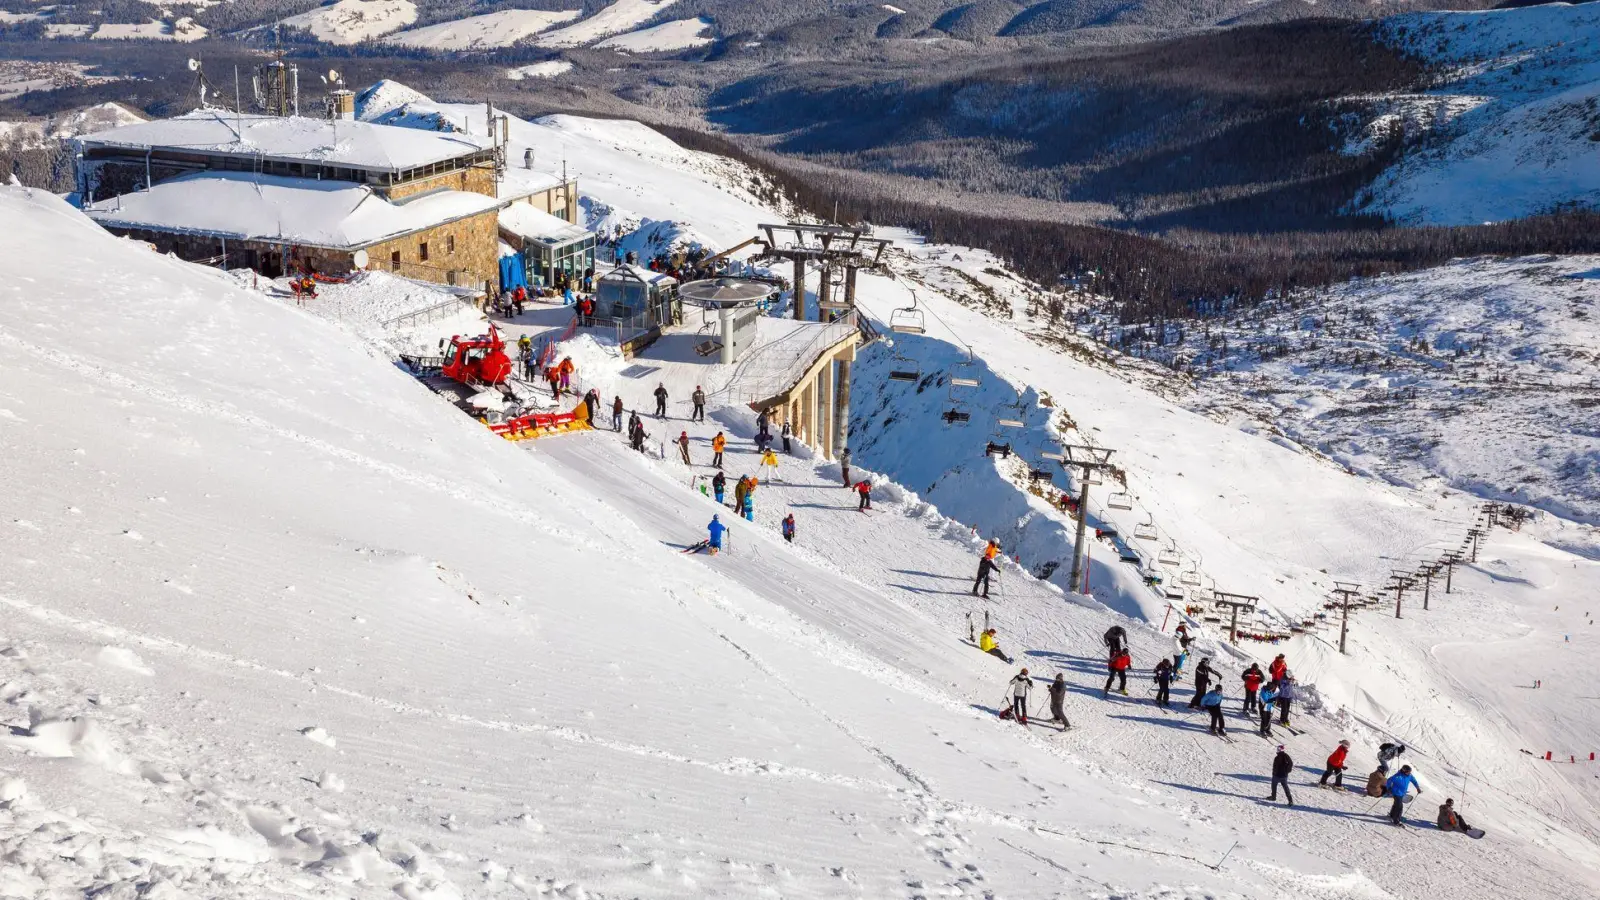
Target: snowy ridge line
221 411
734 766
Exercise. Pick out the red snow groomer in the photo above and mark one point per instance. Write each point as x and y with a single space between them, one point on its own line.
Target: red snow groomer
474 365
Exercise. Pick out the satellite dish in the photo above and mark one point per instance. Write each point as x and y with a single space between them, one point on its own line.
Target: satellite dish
333 74
194 65
360 259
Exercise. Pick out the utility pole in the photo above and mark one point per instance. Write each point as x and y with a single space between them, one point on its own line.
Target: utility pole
1089 460
1400 582
1234 602
1450 560
1345 590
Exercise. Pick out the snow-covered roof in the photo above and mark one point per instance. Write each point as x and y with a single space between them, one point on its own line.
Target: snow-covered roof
244 206
356 144
518 183
529 223
641 273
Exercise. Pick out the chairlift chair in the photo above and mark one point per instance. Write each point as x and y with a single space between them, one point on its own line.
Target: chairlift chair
908 320
1169 556
1190 577
1120 500
1054 457
1037 475
1146 531
903 368
994 448
1011 423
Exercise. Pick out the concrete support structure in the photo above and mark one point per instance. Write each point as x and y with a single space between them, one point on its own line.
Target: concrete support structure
817 404
825 418
841 402
824 291
850 286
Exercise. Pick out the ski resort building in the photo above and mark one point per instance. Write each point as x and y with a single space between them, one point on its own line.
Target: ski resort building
287 193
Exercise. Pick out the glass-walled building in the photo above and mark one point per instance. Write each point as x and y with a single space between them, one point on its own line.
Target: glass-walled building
549 246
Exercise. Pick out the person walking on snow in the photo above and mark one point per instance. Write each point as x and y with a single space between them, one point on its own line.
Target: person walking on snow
1163 679
699 400
661 400
1212 703
1287 693
1117 670
616 414
1252 683
1020 686
1058 699
1397 786
1282 765
1386 754
989 643
985 566
1183 641
761 424
749 506
786 434
769 460
1115 639
719 483
864 488
788 528
844 465
638 438
716 528
683 447
1269 694
591 403
1202 682
739 489
1336 766
718 444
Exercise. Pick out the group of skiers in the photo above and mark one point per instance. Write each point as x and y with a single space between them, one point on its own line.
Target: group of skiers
1264 693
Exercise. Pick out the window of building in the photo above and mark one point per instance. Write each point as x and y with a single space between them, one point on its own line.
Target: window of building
449 243
422 251
450 277
394 260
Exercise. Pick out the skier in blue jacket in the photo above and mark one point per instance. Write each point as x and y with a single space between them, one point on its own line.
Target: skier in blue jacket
1398 785
716 528
1267 697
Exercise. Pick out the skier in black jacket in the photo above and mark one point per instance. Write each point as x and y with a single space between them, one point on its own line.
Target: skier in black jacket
1164 681
1202 681
661 400
1282 765
1116 640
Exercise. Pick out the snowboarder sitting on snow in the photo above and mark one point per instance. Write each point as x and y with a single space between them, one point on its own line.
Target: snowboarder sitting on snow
864 488
1202 681
1252 683
1336 766
1386 754
788 528
1058 699
1397 786
1163 679
1020 686
716 528
1449 819
1282 765
985 566
1117 670
1212 703
719 483
988 643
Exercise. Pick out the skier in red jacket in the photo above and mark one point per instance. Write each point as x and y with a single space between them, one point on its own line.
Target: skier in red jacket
1252 683
1336 766
1118 670
864 488
1278 668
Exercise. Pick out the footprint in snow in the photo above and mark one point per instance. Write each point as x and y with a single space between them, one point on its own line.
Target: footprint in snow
123 658
316 733
132 535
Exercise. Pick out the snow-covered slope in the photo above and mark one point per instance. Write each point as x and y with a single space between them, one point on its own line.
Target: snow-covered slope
498 29
182 29
354 21
679 34
620 16
1521 88
550 68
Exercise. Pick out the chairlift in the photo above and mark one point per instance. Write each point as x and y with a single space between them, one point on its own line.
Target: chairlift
1175 594
955 416
994 448
903 368
1010 423
1190 577
957 379
908 320
1146 531
1054 457
1169 556
1129 555
1120 500
1037 475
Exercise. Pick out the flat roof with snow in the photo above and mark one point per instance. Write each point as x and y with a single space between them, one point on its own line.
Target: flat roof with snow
360 145
243 206
529 223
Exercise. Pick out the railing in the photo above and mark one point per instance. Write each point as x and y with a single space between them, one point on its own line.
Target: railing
776 367
441 310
